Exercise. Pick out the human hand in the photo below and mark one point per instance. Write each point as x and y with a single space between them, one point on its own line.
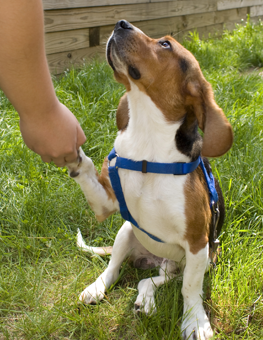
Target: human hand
55 136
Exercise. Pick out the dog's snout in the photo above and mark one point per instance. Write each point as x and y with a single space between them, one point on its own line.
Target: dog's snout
123 24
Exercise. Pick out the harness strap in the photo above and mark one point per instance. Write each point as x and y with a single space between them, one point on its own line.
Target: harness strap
152 167
210 181
163 168
126 215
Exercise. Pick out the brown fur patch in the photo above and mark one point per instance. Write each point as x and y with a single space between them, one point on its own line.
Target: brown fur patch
105 214
122 114
197 210
104 180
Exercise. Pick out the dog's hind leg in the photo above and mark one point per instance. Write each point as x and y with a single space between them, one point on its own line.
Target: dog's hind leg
125 245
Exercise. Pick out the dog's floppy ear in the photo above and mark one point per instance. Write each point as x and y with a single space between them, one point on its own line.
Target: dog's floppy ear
218 133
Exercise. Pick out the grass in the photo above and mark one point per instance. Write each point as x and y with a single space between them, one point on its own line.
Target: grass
41 270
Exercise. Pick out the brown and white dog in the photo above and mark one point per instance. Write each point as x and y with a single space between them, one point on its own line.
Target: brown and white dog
167 99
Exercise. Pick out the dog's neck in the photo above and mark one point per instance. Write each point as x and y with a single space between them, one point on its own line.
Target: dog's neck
148 135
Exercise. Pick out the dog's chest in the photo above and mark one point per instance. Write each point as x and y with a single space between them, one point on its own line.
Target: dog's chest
156 202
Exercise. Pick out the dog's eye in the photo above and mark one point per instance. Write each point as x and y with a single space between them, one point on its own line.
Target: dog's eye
165 44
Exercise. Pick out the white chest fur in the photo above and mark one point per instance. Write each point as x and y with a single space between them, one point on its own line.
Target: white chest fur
156 201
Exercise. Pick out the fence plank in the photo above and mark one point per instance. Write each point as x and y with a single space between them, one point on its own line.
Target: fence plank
257 18
256 11
203 32
228 4
179 27
62 4
231 15
61 20
207 19
166 0
59 62
160 27
153 28
66 40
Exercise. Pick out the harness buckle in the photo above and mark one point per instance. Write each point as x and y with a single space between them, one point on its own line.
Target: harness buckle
109 160
144 167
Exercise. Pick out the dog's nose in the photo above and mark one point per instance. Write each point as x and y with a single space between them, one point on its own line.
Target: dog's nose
123 24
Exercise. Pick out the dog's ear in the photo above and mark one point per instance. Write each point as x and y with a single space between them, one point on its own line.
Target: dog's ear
122 114
218 133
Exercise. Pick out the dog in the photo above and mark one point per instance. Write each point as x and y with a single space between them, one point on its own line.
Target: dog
167 99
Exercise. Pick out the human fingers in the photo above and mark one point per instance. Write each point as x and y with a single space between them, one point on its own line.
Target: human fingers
46 159
81 138
70 158
60 162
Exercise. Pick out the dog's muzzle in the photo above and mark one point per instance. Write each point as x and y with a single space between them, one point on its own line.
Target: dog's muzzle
117 40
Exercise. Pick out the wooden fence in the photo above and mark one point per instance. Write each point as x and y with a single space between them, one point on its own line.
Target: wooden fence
77 30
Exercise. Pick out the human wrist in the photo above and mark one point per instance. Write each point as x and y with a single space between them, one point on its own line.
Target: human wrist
42 112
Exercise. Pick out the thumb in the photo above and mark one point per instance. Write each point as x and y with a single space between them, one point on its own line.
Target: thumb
81 138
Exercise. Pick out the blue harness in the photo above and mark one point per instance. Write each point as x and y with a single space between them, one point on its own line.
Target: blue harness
157 168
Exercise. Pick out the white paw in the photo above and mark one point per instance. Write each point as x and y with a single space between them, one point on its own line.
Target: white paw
196 326
93 293
80 166
145 302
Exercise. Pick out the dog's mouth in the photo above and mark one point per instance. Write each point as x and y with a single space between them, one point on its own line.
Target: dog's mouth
134 72
112 53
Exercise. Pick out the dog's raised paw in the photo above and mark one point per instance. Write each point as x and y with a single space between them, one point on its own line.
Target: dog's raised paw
73 174
82 165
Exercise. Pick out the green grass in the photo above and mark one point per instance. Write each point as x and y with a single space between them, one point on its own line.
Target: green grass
41 270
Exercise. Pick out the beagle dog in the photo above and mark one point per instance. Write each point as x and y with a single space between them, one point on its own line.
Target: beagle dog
167 99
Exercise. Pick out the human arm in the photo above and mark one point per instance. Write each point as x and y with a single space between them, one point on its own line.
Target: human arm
47 126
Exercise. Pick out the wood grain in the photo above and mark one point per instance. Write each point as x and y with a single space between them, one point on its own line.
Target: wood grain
164 0
153 28
172 26
257 18
73 33
228 4
205 32
59 62
62 4
66 40
60 20
256 11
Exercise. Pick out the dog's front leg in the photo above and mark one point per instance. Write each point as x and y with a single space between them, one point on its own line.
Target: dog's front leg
196 325
96 188
125 245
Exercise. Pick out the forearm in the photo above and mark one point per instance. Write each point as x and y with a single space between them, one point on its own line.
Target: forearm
48 127
24 74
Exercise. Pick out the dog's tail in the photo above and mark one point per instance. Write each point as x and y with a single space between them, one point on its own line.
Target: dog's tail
102 251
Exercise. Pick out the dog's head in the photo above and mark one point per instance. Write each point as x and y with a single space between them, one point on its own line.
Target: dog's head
170 75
